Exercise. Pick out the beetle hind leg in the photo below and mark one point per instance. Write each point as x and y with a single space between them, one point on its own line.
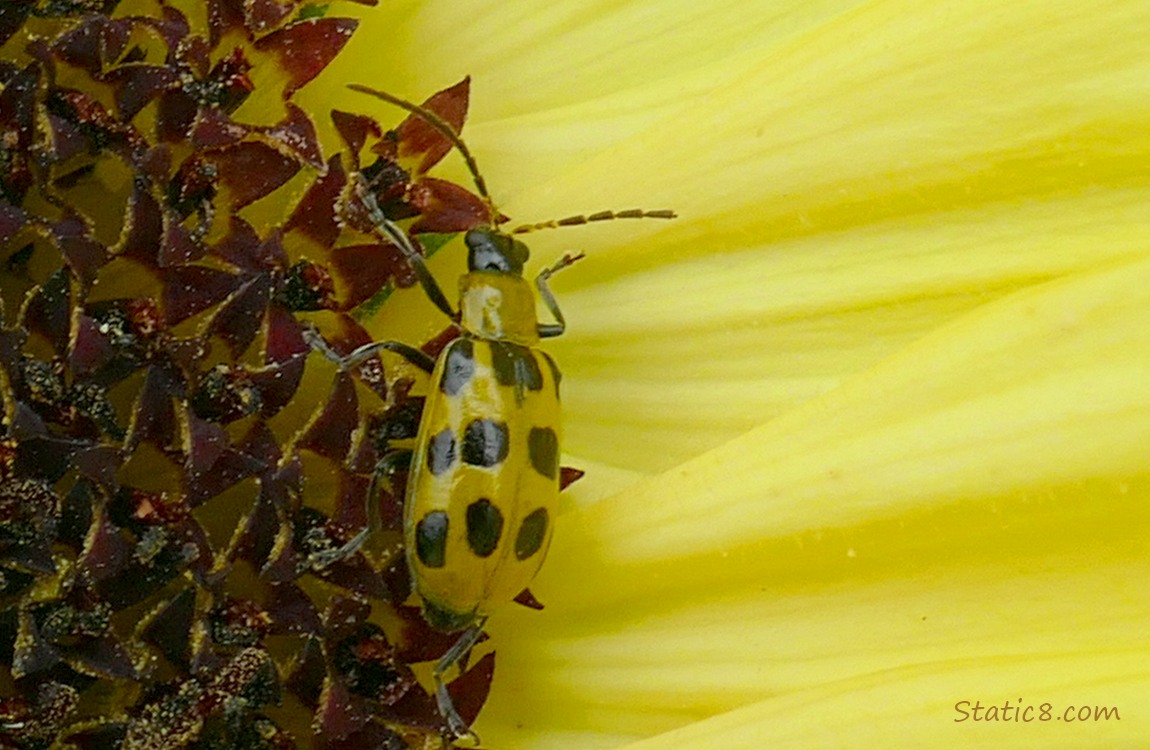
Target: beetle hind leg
455 723
385 467
321 560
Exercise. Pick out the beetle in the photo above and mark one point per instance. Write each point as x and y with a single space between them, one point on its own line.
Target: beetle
483 475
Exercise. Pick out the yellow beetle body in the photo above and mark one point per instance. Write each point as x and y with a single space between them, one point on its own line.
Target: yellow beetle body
484 475
484 478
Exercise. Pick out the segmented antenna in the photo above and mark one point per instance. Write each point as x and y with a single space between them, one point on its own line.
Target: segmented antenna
448 132
445 129
571 221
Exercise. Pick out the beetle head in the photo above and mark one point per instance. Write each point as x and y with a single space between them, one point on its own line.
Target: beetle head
489 249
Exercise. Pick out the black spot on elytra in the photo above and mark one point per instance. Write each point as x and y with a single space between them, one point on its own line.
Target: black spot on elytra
556 376
484 442
459 368
431 539
543 448
515 365
531 534
484 526
441 452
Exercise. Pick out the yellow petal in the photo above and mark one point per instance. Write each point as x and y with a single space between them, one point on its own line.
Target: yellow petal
858 185
983 494
1071 700
849 177
665 363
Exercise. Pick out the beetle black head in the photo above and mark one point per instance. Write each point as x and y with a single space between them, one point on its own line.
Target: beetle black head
491 250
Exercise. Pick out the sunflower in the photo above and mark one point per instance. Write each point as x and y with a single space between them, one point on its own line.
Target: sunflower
865 429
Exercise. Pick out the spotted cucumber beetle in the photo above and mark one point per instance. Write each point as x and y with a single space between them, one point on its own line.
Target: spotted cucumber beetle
483 475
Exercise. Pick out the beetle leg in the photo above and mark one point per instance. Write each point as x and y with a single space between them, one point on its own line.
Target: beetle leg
321 560
367 351
386 466
550 330
454 654
399 238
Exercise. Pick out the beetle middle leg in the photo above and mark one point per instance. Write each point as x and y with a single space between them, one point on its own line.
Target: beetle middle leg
363 353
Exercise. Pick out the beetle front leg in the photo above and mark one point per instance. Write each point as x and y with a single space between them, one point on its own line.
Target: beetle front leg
551 330
400 239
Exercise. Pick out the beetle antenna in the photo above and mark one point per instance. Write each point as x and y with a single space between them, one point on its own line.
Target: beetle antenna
571 221
448 132
445 129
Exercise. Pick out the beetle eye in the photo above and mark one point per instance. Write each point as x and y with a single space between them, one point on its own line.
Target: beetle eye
490 250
